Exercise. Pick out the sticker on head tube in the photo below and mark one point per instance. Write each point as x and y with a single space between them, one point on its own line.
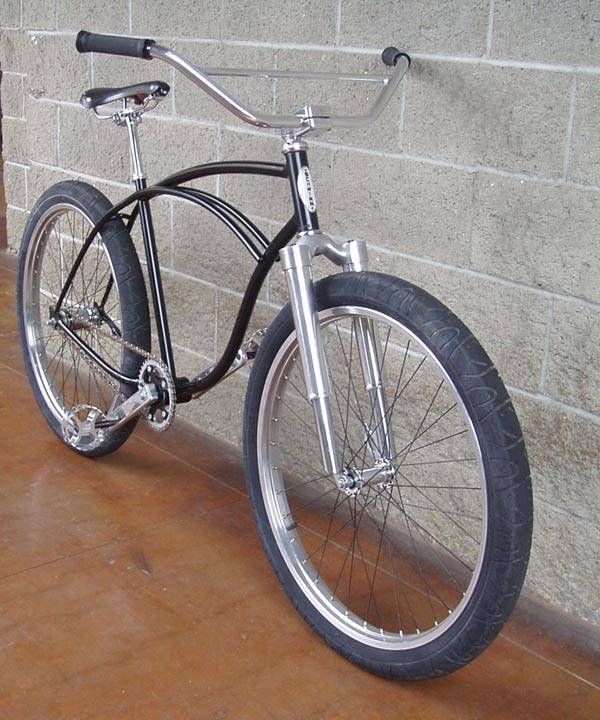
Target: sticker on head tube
306 189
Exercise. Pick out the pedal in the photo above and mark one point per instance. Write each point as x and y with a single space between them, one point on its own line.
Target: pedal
80 427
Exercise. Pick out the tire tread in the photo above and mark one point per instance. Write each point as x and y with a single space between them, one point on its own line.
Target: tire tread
507 468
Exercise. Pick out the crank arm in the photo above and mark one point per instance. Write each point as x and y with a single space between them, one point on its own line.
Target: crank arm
246 353
130 408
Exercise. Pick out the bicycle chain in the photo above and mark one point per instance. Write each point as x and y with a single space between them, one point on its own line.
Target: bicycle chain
110 380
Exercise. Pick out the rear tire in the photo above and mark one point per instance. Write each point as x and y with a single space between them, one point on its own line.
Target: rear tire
439 564
59 376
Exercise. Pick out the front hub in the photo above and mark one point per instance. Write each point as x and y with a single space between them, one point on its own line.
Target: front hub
353 480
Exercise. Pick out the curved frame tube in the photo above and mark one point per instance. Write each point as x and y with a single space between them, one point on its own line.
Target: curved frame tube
233 219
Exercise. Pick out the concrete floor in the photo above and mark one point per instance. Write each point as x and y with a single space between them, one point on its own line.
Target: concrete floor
135 587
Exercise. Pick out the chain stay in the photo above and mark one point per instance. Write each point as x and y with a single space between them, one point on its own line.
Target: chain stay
114 385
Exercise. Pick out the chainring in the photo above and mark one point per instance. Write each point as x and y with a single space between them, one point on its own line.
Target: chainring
159 415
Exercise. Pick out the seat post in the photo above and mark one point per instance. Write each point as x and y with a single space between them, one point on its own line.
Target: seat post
132 120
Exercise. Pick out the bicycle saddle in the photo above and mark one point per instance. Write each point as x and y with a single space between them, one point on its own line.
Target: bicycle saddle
139 93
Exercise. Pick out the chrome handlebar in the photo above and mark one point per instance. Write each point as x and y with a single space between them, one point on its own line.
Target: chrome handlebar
307 118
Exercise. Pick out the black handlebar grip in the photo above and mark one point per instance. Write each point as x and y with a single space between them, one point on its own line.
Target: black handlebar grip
113 45
391 55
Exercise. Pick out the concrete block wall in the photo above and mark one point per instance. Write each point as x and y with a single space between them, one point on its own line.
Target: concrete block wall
481 182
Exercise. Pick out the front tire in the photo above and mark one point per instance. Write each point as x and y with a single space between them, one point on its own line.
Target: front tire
409 575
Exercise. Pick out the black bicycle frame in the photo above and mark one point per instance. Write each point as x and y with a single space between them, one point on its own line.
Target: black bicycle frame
265 253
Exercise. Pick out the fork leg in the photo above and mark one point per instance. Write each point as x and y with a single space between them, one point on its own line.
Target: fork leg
296 263
369 348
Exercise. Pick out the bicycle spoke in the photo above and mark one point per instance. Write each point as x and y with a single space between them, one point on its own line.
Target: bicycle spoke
392 547
427 497
70 378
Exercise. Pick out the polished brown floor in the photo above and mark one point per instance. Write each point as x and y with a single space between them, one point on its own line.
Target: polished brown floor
134 587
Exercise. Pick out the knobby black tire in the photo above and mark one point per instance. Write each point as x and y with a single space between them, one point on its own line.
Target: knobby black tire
504 459
129 281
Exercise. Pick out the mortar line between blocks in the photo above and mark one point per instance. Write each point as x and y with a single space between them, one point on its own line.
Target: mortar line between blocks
551 294
219 148
78 174
57 155
216 325
538 498
461 59
92 69
402 116
437 162
195 353
221 16
6 116
27 189
546 355
508 63
490 31
558 404
569 131
23 98
172 231
338 22
353 50
213 286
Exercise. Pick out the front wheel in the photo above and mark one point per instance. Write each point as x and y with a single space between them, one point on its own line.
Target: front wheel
411 571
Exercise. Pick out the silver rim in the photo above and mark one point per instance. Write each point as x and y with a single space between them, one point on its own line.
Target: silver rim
63 376
394 565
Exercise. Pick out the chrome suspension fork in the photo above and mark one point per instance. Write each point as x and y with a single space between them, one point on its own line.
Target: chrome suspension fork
297 265
296 261
371 362
378 429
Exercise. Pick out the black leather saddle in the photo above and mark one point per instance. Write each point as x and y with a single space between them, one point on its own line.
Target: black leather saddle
138 93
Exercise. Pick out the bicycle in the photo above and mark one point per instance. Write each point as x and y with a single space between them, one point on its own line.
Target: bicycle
385 464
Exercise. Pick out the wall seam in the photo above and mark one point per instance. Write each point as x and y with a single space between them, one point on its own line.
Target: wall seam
338 23
475 273
558 404
567 68
569 131
547 341
490 31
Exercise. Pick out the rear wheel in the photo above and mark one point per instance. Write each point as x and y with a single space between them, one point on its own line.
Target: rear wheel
105 304
411 566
